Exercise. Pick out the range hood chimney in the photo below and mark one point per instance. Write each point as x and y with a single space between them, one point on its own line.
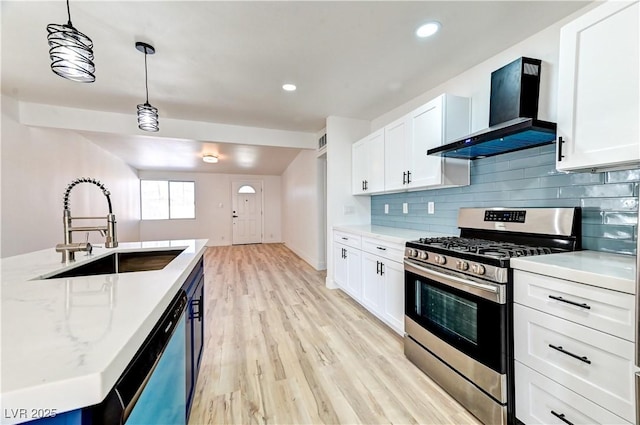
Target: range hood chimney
513 116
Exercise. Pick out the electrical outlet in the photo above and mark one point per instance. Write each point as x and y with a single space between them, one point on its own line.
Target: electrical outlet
348 209
405 208
431 208
386 208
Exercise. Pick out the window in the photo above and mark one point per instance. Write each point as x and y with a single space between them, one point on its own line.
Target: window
167 200
246 189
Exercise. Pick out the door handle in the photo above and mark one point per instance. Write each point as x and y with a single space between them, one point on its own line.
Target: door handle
569 353
404 177
234 216
582 305
408 177
560 143
561 417
377 267
381 268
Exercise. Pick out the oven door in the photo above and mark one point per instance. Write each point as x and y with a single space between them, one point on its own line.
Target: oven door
468 315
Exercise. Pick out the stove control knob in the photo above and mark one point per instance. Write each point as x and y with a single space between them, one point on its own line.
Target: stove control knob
462 265
423 255
412 252
478 269
440 259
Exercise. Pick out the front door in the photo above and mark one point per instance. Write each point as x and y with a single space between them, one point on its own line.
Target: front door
246 206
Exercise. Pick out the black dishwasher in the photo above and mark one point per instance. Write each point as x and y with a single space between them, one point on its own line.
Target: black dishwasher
151 390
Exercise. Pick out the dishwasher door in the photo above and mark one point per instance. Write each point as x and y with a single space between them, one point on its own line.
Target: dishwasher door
163 399
152 389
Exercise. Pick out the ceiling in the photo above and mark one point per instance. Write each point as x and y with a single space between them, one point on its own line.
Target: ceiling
225 62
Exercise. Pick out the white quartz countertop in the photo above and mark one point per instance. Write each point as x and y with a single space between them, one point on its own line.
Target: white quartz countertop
391 234
605 270
66 341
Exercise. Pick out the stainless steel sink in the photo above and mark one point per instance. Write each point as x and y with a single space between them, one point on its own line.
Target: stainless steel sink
122 262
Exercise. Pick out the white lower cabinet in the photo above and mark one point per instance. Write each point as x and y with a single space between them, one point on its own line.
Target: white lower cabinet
373 283
539 400
393 288
347 263
379 284
574 352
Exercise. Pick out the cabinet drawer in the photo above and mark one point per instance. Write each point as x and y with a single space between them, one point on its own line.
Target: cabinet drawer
602 309
348 239
389 250
596 365
539 400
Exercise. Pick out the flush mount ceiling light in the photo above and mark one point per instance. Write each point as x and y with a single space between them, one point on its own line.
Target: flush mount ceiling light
289 87
428 29
71 52
210 159
147 114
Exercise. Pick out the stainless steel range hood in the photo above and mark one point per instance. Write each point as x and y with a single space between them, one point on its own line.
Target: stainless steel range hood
513 123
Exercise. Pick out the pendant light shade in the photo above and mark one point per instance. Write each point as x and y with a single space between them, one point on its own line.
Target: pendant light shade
147 114
148 117
71 52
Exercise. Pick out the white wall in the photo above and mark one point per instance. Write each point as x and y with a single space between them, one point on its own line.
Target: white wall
301 216
213 221
476 82
342 206
37 165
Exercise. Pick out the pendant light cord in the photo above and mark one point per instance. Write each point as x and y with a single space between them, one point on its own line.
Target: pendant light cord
69 14
146 83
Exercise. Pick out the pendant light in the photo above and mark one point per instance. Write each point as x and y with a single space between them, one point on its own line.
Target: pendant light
147 114
71 52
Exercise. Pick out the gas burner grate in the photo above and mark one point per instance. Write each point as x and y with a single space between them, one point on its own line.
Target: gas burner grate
485 247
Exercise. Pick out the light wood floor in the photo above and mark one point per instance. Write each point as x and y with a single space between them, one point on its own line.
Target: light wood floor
280 348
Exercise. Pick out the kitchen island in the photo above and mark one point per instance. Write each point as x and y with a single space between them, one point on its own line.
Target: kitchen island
66 341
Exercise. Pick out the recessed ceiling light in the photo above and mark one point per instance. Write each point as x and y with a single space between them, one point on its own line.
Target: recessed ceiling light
289 87
211 159
428 29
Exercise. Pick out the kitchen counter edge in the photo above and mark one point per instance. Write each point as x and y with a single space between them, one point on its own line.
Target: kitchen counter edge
72 384
602 269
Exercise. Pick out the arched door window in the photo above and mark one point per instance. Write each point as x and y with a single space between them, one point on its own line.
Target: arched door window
246 189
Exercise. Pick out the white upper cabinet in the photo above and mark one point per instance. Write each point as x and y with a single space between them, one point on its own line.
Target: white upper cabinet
598 89
407 140
438 122
397 141
367 158
403 163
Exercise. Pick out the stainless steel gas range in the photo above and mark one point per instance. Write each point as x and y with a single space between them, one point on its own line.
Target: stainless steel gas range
458 300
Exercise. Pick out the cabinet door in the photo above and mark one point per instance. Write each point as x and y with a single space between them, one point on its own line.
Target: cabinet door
393 288
372 281
375 172
539 400
598 89
596 365
396 139
354 273
359 159
340 271
426 123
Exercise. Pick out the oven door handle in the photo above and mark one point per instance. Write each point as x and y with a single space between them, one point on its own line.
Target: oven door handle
491 292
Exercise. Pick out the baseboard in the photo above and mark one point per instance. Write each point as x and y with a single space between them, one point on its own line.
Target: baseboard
313 262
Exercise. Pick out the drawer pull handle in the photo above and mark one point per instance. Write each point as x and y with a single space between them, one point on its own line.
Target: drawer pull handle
345 239
561 417
583 305
568 353
381 248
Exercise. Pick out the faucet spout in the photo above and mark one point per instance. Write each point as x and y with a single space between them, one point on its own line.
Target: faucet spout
69 249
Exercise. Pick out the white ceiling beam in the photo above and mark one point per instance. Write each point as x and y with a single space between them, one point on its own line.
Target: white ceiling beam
51 116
